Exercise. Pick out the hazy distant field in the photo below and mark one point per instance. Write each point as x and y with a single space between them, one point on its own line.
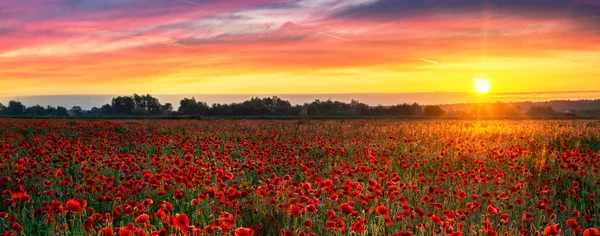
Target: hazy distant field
161 177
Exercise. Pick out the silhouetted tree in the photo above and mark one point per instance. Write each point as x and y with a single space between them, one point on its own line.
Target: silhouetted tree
139 101
138 111
359 108
61 111
106 109
435 111
403 110
51 111
541 111
15 108
167 107
152 105
123 105
2 109
36 110
76 110
95 111
189 106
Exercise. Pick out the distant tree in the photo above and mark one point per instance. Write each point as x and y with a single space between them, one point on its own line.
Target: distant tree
51 111
62 111
403 110
434 111
123 105
189 106
2 109
417 110
76 110
167 107
106 109
152 105
15 108
541 111
138 111
95 111
139 101
359 108
36 110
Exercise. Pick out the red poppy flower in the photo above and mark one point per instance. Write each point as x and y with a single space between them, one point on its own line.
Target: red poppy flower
74 206
346 208
330 225
161 232
226 220
311 208
143 218
182 222
125 232
382 210
404 233
307 223
553 229
435 218
89 223
487 227
460 195
296 210
106 232
359 225
388 220
244 232
340 225
572 223
591 232
161 215
17 227
209 230
492 210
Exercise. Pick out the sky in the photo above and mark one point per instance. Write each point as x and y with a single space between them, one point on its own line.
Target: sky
252 47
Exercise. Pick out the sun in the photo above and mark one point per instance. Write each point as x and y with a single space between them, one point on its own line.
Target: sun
482 85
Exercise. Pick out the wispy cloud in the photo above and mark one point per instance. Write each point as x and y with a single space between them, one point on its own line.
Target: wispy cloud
192 2
291 24
428 61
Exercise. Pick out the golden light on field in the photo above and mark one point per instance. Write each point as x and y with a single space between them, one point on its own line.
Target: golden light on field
482 85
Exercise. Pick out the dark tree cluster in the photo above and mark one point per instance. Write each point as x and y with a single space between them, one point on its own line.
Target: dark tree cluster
16 108
135 105
275 106
147 105
541 111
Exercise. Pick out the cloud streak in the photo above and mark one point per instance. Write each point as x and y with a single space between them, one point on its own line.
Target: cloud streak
428 61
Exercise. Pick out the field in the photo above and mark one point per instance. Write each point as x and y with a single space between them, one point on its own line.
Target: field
61 177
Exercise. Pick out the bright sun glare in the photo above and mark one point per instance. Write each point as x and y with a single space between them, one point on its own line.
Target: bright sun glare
482 85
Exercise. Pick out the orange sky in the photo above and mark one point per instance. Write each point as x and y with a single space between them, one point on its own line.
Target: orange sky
56 47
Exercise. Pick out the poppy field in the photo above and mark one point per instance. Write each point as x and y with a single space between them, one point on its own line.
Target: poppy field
168 177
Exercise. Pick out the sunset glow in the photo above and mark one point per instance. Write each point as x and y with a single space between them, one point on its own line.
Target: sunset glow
296 47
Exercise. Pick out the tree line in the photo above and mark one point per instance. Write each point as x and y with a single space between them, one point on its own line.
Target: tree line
147 105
